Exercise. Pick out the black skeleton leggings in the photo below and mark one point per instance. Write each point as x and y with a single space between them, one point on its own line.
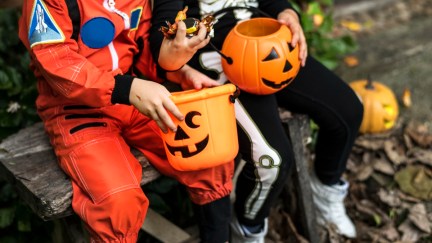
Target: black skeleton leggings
265 147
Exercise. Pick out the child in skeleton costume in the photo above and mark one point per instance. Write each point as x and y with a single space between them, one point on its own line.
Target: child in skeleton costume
316 91
85 56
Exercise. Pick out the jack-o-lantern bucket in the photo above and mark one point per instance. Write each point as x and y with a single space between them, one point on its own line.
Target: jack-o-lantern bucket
258 56
207 137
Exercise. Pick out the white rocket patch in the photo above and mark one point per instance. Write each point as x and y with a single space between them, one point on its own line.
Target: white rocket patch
43 28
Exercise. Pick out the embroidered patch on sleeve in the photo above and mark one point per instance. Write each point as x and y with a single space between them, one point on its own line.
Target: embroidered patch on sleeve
43 28
135 18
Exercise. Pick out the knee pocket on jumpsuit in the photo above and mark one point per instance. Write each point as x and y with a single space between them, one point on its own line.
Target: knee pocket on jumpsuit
102 168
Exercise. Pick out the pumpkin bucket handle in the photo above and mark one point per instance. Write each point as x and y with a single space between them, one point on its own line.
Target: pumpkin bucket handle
234 96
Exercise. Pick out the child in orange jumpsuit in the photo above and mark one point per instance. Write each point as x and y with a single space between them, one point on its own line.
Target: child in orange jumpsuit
86 56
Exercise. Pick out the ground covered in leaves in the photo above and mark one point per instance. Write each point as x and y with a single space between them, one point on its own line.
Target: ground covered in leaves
390 197
390 174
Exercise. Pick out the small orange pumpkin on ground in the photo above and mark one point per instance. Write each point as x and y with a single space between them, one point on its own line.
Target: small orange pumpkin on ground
380 106
259 56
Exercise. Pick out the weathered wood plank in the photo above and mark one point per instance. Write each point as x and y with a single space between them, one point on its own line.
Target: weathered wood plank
299 130
162 229
28 162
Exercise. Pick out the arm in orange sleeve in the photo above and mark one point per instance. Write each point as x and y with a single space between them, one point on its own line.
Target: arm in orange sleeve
145 63
57 59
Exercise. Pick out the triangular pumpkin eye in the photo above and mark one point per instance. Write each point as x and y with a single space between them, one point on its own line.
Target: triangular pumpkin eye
287 67
290 48
273 55
180 134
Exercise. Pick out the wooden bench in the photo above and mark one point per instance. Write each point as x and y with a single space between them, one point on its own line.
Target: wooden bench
28 162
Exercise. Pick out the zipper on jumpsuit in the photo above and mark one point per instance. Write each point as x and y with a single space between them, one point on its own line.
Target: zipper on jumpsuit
110 6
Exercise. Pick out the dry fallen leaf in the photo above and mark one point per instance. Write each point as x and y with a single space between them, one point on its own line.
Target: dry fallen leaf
418 215
419 133
409 232
351 25
389 197
351 61
381 164
364 172
407 140
389 232
421 155
369 144
395 151
415 181
406 98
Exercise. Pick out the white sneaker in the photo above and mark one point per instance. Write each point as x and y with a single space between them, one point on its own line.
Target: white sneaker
240 235
329 205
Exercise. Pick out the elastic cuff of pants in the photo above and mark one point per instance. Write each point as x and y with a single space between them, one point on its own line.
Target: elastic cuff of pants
201 198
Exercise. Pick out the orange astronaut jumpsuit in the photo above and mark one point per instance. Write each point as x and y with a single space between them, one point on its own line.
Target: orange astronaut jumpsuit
83 100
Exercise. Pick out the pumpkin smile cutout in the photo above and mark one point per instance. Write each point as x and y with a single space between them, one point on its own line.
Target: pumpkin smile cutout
207 137
258 56
187 151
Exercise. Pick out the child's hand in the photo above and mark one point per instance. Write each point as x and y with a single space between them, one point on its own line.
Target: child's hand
290 18
152 99
190 78
175 53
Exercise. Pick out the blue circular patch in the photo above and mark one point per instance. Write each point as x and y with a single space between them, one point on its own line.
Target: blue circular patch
97 32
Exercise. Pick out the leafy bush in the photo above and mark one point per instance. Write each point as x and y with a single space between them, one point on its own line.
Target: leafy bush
17 109
17 222
17 83
318 26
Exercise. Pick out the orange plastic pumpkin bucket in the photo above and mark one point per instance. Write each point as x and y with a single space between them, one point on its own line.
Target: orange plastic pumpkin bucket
207 137
259 58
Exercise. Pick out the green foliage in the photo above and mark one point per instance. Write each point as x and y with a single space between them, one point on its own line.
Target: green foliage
17 82
17 109
17 222
318 26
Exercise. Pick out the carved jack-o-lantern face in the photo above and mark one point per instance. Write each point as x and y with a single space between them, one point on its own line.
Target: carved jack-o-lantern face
276 61
380 106
187 146
260 59
207 137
